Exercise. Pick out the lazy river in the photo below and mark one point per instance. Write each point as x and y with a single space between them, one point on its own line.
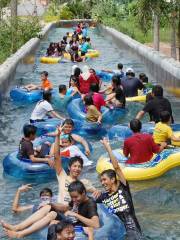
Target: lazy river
156 201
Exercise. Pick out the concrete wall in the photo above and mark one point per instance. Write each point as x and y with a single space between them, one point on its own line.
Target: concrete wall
164 69
25 56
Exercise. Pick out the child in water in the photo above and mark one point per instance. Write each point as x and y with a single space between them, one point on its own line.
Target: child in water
45 83
69 150
163 132
93 115
73 87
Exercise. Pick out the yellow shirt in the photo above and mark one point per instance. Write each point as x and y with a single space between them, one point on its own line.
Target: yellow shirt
92 113
162 132
64 181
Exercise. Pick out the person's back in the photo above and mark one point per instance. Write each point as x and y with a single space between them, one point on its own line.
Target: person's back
139 147
131 85
163 132
155 106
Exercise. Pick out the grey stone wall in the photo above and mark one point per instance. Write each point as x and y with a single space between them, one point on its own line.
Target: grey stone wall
164 69
25 55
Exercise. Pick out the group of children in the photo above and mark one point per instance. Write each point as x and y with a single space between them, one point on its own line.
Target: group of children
73 206
77 46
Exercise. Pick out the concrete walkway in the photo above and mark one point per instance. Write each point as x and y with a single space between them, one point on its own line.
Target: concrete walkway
31 7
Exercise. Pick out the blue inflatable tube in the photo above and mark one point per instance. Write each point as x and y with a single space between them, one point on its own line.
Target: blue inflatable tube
111 228
26 169
19 94
122 131
105 76
22 95
110 116
80 127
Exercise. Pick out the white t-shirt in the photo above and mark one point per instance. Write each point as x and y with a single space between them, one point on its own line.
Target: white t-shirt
41 109
64 181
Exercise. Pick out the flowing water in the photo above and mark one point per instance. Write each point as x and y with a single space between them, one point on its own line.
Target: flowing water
157 202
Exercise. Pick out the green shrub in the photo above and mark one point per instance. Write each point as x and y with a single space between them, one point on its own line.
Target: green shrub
15 33
65 13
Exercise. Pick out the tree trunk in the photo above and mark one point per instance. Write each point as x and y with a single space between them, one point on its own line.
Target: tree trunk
173 36
13 25
178 34
156 32
13 8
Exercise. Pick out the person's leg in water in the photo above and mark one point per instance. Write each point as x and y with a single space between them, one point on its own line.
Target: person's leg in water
38 215
43 222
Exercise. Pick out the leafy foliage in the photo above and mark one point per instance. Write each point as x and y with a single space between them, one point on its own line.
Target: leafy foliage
15 33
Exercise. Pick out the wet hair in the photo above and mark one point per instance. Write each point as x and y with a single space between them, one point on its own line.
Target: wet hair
62 225
77 186
45 73
62 87
143 77
77 72
65 38
119 93
149 97
29 130
165 116
110 173
74 79
116 80
46 190
76 159
94 87
92 69
53 230
88 100
157 90
120 66
88 39
47 95
135 125
68 121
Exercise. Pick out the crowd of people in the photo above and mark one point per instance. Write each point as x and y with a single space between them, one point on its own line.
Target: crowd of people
76 44
73 206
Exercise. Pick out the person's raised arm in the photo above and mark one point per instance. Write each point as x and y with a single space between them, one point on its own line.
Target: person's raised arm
140 114
114 161
16 208
81 140
57 154
90 232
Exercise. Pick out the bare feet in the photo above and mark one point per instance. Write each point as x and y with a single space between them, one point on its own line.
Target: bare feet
12 234
7 225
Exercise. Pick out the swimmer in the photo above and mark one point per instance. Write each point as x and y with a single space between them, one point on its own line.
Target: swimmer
46 196
68 126
64 230
45 83
163 132
43 109
92 115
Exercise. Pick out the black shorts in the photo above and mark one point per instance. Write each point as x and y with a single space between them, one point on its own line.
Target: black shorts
133 235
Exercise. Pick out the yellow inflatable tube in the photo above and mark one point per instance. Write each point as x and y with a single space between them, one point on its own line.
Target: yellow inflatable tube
50 60
159 164
136 99
140 98
89 54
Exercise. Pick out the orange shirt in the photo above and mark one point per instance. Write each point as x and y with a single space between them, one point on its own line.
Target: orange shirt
46 85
